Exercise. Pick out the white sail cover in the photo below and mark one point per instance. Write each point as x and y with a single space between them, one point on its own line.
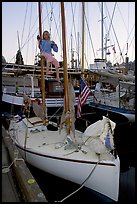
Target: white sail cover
99 135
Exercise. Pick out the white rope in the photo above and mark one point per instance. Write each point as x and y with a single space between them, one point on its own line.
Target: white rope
6 169
81 184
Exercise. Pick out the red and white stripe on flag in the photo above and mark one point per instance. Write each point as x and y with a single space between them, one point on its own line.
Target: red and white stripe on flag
84 93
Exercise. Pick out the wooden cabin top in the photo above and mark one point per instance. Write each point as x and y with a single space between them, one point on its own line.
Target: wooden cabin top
16 69
14 75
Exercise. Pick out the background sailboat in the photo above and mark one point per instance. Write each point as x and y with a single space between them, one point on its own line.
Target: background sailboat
114 86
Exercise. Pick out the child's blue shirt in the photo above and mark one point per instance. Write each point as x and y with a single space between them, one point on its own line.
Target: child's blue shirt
47 46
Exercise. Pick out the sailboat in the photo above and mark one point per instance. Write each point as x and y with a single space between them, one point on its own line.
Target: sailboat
114 87
114 93
87 158
18 79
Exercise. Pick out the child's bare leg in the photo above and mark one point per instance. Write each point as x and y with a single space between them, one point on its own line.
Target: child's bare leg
47 68
56 64
57 74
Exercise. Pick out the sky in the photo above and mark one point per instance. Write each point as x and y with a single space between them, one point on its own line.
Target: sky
20 27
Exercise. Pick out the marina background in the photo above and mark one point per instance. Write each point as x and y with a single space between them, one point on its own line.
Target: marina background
125 131
23 21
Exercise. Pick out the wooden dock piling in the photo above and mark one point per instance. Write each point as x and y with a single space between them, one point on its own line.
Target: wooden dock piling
29 188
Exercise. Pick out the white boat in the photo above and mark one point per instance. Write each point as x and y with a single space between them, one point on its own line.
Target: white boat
87 158
114 93
14 87
87 162
114 85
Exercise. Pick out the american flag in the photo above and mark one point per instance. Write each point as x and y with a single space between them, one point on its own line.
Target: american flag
84 93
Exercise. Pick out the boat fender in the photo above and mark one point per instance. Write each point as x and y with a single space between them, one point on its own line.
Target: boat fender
107 142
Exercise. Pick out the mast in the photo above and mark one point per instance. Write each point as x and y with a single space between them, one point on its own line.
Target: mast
72 54
65 69
78 51
19 58
18 40
83 11
102 47
42 66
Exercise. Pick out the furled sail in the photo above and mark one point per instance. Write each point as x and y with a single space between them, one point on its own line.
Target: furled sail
38 109
71 113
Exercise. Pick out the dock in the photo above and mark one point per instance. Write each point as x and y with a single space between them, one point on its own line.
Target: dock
18 184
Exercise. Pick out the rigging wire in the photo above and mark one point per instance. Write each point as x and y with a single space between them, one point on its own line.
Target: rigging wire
133 54
34 33
116 37
28 38
55 20
128 38
48 13
56 27
108 32
73 12
90 39
111 19
24 23
127 27
29 33
51 18
70 40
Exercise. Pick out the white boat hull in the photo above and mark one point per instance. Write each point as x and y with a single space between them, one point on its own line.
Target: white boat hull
129 114
50 102
44 149
104 180
12 99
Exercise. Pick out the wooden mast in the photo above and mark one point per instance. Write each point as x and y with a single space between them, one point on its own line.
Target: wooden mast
42 66
65 69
